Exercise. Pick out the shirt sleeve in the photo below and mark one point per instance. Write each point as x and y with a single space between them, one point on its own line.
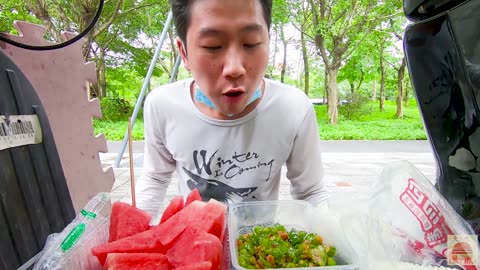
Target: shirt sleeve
304 165
158 166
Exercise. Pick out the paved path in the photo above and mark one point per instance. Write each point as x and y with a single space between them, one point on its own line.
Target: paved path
347 172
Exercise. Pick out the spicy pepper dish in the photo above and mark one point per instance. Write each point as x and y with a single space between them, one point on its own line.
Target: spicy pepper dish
275 247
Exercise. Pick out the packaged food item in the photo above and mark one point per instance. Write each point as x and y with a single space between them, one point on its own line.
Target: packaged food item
291 216
71 248
408 220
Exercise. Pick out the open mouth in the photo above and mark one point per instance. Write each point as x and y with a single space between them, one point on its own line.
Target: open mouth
233 93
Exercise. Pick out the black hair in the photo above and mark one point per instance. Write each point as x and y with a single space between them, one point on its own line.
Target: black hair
181 15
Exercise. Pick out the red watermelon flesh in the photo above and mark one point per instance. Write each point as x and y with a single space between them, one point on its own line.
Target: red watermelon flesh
213 219
195 246
194 195
196 266
175 205
174 226
127 220
136 261
145 242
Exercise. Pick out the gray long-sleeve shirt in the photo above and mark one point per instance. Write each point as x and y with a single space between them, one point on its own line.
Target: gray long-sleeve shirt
230 160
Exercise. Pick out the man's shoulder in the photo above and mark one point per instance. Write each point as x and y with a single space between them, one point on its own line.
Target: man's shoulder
167 91
289 93
169 97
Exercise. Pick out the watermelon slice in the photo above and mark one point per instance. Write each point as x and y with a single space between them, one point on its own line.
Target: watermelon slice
208 217
175 225
175 205
145 242
136 261
196 266
195 246
127 220
194 195
214 215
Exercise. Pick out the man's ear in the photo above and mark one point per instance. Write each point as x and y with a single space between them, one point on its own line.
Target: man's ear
183 53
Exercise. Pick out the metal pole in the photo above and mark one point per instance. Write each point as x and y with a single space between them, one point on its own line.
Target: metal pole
175 68
145 85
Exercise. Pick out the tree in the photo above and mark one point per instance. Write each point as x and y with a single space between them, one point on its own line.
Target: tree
279 20
394 57
285 49
120 24
362 66
306 69
338 29
383 76
400 84
14 10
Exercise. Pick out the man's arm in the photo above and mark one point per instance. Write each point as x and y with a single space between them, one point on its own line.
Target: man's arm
304 165
158 164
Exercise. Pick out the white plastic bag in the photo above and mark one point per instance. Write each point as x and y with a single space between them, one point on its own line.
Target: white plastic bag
421 217
404 223
71 248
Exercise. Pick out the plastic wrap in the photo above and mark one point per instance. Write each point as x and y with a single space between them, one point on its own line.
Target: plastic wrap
404 221
71 248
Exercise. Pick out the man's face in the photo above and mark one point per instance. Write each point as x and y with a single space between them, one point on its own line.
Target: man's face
227 50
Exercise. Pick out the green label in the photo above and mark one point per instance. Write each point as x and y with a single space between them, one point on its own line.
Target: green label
88 214
72 237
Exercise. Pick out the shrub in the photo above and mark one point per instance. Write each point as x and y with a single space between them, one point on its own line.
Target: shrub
115 109
357 105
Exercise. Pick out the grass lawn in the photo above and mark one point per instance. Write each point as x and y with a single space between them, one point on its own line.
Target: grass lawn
373 125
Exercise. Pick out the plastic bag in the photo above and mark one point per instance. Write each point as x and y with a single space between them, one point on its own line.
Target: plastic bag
423 222
405 223
71 248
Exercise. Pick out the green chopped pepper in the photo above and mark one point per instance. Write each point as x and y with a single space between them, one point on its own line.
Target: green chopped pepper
275 247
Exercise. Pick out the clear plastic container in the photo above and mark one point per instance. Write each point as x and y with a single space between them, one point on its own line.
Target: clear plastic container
242 217
71 248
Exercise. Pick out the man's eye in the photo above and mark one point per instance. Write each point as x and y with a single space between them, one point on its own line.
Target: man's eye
212 48
251 45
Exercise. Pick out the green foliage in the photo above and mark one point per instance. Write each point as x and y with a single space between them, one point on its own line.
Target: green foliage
115 109
124 83
357 106
280 12
375 125
14 10
115 130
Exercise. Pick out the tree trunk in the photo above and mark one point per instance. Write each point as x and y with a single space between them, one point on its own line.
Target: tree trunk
332 96
401 75
407 90
352 88
325 87
275 51
101 76
284 64
382 83
362 77
39 8
374 95
93 90
305 64
173 55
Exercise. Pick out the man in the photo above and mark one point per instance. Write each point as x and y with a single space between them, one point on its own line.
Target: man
228 131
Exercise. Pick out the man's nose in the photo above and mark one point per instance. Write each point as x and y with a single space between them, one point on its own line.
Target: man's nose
234 66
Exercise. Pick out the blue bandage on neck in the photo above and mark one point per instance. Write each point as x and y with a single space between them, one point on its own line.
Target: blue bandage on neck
201 97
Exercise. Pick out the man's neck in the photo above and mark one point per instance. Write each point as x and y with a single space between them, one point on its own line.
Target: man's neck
215 114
